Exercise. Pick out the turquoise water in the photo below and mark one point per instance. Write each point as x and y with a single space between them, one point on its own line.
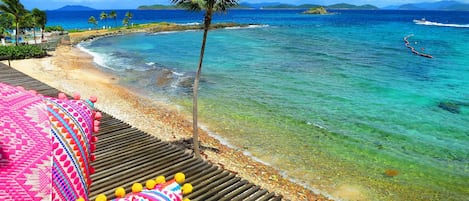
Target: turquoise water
331 101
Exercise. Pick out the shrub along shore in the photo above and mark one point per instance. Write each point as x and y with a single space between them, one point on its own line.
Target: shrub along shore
38 51
78 36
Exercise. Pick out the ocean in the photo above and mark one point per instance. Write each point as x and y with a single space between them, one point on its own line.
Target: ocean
336 102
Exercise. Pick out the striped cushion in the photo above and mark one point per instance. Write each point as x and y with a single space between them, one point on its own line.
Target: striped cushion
71 128
46 145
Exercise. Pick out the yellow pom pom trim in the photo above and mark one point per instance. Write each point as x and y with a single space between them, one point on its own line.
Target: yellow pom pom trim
179 177
186 189
186 199
120 192
150 184
101 197
80 199
160 180
137 188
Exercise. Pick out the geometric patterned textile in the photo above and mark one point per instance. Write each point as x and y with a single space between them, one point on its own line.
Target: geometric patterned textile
72 124
46 145
25 146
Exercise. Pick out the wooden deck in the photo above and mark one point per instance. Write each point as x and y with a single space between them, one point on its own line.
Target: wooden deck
125 155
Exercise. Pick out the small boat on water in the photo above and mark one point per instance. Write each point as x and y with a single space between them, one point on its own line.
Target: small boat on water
423 21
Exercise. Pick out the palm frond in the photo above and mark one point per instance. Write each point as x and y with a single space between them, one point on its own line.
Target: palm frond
192 5
223 5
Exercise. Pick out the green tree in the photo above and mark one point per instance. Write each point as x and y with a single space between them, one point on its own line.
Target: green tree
113 15
16 10
129 17
209 6
39 19
103 16
92 20
6 22
125 21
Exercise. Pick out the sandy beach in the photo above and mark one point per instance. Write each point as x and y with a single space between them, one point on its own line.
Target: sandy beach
71 70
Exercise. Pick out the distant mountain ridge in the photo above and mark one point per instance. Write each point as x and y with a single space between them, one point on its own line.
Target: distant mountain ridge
74 8
440 5
277 5
157 7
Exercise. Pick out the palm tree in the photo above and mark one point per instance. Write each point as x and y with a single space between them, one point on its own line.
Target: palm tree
15 9
129 16
5 24
92 20
42 21
39 19
113 15
103 16
209 6
125 21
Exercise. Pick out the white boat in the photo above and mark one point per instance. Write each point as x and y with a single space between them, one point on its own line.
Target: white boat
422 21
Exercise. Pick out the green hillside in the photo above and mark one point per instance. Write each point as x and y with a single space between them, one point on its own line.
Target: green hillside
346 6
157 7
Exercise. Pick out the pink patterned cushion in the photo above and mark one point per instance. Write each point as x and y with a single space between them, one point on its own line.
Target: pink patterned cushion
25 146
72 124
46 145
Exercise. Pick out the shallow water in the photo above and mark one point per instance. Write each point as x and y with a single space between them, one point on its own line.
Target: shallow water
332 101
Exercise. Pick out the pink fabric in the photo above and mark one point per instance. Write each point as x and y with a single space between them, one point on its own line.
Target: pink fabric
71 127
25 146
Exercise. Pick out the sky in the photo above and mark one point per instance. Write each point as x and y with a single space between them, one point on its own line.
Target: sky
133 4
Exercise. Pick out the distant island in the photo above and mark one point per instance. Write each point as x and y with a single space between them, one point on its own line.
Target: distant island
158 7
290 6
340 6
270 6
344 6
316 11
74 8
440 5
172 7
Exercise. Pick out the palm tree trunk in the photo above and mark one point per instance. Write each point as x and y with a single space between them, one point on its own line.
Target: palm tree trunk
17 32
207 21
34 34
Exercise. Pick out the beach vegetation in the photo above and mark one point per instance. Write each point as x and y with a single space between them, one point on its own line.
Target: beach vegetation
6 23
16 10
54 28
125 21
40 20
113 15
128 18
20 19
320 10
92 20
209 6
103 16
22 52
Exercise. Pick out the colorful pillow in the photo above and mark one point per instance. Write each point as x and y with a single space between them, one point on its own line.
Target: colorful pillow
25 146
72 125
156 190
46 145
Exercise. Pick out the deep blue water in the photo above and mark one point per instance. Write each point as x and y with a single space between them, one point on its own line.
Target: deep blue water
332 101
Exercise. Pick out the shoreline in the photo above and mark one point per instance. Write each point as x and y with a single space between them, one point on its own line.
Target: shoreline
78 73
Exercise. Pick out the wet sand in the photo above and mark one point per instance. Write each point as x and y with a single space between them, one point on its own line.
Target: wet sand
71 70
